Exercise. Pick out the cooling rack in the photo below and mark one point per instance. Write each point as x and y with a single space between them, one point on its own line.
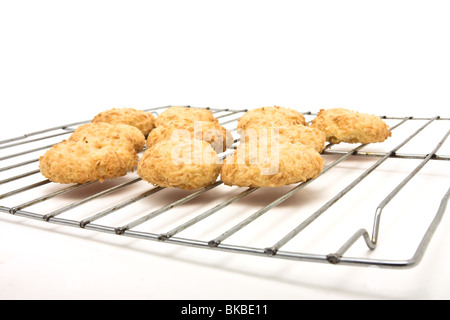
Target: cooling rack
219 217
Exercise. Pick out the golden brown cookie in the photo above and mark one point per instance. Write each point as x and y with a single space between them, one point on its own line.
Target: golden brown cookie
144 121
310 137
110 131
184 164
343 125
271 116
87 160
184 113
211 132
264 163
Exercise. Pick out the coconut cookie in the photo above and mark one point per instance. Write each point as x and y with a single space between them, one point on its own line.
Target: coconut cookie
211 132
88 160
342 125
124 132
144 121
267 163
184 113
271 116
310 137
185 164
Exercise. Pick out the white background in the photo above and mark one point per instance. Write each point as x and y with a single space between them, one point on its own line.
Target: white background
65 61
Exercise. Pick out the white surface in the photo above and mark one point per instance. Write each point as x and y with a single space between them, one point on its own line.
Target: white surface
63 62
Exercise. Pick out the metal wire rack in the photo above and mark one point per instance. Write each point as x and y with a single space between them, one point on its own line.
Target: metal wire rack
129 206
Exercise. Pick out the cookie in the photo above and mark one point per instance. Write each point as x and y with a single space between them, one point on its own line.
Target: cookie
267 163
271 116
343 125
185 164
310 137
144 121
87 160
211 132
123 132
184 113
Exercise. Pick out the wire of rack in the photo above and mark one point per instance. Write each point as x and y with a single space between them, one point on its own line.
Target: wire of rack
274 250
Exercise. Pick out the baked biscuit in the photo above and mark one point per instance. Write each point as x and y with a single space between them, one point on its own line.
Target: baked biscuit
266 163
144 121
271 116
87 160
343 125
211 132
310 137
184 113
184 164
110 131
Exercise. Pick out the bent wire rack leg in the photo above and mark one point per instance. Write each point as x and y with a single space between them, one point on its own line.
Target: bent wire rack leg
394 192
407 263
372 242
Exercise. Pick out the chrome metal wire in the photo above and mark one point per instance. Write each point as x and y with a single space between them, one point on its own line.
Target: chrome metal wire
226 117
